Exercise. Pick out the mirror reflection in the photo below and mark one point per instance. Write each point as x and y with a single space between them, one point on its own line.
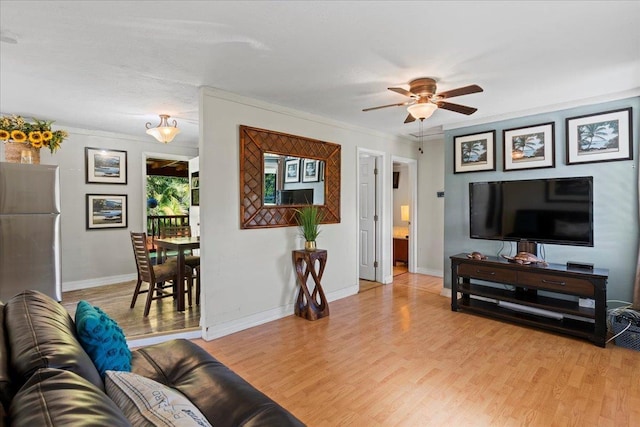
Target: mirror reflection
293 180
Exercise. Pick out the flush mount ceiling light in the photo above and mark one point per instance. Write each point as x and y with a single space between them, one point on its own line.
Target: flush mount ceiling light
164 132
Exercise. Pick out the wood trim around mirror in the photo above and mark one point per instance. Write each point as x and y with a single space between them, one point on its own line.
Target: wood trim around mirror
254 143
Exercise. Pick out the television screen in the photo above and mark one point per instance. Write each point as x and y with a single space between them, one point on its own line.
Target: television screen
556 211
303 196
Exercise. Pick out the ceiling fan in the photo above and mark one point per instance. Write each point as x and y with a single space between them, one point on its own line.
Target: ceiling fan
424 99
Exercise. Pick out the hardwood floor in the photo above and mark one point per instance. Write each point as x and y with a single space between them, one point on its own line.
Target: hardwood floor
163 317
115 300
400 269
396 355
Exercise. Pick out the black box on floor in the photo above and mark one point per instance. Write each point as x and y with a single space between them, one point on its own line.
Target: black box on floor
629 338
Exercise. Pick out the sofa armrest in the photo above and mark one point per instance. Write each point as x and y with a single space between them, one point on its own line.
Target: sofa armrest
221 395
6 386
41 334
54 397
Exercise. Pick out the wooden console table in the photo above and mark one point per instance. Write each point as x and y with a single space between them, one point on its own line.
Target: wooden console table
310 305
513 302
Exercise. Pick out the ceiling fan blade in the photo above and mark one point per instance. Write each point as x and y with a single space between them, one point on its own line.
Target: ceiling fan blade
402 91
463 109
390 105
410 119
460 91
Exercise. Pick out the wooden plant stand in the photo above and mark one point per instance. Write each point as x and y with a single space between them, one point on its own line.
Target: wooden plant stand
310 305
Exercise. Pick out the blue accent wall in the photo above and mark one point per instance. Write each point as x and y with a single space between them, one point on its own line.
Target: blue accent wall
615 199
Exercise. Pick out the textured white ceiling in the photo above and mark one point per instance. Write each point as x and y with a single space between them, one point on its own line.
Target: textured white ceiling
115 65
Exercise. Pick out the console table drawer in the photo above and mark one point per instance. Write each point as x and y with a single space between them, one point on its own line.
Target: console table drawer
569 285
487 273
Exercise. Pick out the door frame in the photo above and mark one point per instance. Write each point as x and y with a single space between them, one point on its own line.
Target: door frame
412 166
383 272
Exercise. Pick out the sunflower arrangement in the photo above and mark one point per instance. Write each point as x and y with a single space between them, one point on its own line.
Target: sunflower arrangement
37 133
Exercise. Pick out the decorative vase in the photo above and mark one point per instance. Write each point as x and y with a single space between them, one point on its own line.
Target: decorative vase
310 246
19 152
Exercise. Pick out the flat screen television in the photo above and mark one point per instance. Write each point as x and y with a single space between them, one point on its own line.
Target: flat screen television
556 211
303 196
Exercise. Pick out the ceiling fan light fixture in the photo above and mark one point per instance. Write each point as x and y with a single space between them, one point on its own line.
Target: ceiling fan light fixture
422 110
164 132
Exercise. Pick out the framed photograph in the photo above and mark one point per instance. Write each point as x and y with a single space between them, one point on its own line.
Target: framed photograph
475 152
292 170
311 170
105 166
106 211
532 147
600 137
195 197
195 180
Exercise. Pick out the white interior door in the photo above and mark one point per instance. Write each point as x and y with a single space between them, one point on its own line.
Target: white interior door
368 209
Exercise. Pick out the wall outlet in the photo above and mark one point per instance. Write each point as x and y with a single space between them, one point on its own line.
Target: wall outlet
440 194
586 302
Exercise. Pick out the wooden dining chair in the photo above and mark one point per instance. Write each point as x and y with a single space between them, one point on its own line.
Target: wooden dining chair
162 279
191 261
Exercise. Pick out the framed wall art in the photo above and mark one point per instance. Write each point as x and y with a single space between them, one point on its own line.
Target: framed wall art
600 137
310 170
292 170
475 152
195 197
105 166
106 211
195 180
531 147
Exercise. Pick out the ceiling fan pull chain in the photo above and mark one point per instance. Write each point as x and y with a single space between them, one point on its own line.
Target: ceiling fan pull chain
421 138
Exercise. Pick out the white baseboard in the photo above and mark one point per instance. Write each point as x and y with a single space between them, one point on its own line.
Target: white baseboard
430 272
100 281
446 292
156 339
227 328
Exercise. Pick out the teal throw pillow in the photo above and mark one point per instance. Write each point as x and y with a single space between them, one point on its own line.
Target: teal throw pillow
102 339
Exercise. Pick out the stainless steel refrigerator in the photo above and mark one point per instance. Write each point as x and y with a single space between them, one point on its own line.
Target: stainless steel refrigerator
29 229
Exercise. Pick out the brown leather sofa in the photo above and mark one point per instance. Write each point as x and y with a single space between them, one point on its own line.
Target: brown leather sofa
47 379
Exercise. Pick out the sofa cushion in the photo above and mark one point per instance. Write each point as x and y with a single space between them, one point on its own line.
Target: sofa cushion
102 339
41 334
147 402
53 397
221 395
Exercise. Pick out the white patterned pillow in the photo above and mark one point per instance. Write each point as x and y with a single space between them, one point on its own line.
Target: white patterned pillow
146 402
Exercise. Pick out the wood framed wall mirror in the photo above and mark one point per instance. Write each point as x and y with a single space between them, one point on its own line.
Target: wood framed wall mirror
279 173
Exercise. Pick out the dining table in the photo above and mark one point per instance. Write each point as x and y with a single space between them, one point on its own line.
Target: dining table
180 245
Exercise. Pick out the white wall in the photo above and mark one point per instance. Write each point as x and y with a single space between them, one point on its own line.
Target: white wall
248 275
431 208
97 257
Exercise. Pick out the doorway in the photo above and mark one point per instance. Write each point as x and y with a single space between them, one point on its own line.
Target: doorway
401 212
404 208
169 184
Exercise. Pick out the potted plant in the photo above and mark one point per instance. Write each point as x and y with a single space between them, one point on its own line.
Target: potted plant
309 219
